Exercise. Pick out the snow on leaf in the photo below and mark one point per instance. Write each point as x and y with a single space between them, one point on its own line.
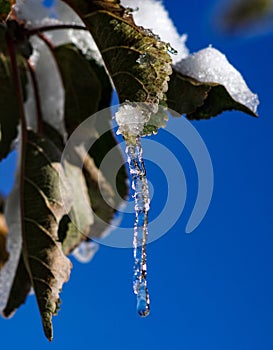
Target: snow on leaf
199 100
211 66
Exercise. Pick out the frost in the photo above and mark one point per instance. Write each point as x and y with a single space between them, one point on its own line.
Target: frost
85 251
131 119
14 244
151 14
210 65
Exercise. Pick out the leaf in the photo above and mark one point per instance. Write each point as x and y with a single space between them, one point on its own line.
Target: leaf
9 116
101 196
199 100
44 204
114 170
157 120
4 255
83 74
82 85
137 61
20 289
76 226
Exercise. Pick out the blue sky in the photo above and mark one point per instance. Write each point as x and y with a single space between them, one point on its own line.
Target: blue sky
212 289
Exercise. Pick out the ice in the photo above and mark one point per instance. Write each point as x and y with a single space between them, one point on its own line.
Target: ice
152 15
131 119
14 244
210 65
142 206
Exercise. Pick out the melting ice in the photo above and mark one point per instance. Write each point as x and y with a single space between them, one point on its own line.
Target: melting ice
131 131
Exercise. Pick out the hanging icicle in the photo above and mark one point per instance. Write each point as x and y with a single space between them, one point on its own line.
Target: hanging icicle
142 205
131 120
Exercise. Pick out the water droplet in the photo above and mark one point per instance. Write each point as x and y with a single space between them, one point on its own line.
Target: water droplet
143 302
171 49
142 206
145 58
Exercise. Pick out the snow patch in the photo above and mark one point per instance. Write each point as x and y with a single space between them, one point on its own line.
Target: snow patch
131 119
210 65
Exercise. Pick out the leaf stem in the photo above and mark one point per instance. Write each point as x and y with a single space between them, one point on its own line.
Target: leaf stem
45 39
38 30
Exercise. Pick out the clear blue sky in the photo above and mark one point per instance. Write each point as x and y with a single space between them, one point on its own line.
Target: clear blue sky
212 289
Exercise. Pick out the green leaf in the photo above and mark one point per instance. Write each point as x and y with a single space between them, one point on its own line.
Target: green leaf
20 289
44 204
138 62
200 100
9 116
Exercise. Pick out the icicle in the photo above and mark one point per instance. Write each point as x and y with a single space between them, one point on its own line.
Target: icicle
142 205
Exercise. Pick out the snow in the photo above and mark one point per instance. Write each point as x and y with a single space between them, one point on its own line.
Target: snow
210 65
151 14
131 119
